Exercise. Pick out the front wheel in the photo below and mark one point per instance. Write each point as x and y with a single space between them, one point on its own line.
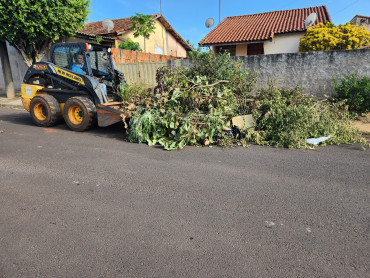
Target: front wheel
79 113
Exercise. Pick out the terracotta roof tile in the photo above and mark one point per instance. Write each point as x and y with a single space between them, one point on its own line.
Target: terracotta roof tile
263 26
96 27
124 24
364 16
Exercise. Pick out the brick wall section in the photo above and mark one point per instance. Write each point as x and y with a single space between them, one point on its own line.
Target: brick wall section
124 56
156 57
129 57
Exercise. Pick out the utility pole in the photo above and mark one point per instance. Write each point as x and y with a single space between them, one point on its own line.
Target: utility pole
8 79
219 11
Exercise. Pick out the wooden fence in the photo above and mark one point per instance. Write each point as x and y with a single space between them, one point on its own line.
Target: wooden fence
141 67
141 72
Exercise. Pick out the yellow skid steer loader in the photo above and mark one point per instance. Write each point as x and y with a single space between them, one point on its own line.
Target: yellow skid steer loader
85 92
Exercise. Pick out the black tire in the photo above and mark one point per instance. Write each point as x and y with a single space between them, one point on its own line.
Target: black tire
79 113
45 110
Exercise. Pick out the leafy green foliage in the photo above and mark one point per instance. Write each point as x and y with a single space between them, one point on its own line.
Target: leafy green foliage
173 130
143 25
330 37
189 106
99 39
287 118
355 91
221 68
133 92
130 45
32 25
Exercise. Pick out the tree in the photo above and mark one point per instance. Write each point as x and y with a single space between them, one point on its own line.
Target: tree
31 26
142 25
330 37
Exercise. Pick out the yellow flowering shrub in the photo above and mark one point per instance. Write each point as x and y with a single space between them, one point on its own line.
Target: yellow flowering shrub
330 37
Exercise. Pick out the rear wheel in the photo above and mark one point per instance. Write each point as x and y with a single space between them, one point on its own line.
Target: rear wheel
45 110
79 113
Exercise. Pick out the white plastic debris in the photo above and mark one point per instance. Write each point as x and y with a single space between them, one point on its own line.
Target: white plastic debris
269 224
316 141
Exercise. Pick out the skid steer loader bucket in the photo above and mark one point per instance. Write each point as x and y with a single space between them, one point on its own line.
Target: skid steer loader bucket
109 113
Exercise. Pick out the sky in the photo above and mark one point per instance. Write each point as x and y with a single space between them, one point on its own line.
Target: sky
188 17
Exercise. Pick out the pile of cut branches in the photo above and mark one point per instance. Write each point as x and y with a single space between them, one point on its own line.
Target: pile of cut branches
192 106
287 118
189 106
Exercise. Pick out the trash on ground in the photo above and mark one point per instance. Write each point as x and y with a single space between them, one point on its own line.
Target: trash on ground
316 141
243 122
269 224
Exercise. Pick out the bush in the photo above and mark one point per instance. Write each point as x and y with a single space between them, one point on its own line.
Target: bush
130 45
329 37
355 91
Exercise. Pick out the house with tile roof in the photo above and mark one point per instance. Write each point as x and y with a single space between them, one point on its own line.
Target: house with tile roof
361 20
165 40
264 33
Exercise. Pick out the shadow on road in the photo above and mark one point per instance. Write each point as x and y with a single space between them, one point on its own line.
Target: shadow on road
16 116
117 131
21 117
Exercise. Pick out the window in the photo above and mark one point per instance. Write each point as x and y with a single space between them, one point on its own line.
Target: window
100 62
158 50
255 49
61 57
65 56
229 48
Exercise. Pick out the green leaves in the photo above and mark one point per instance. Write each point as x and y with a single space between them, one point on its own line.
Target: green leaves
130 45
287 118
31 25
355 91
143 25
191 106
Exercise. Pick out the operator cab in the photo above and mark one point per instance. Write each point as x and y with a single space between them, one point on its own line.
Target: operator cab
97 61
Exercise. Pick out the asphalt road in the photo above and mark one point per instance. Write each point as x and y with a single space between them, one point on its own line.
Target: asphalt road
93 205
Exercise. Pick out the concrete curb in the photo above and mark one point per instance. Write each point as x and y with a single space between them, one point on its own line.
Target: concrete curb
15 102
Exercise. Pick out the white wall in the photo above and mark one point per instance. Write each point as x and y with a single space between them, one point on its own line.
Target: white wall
313 71
283 44
174 46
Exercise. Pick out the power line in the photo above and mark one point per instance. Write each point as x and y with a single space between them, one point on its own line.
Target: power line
354 2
